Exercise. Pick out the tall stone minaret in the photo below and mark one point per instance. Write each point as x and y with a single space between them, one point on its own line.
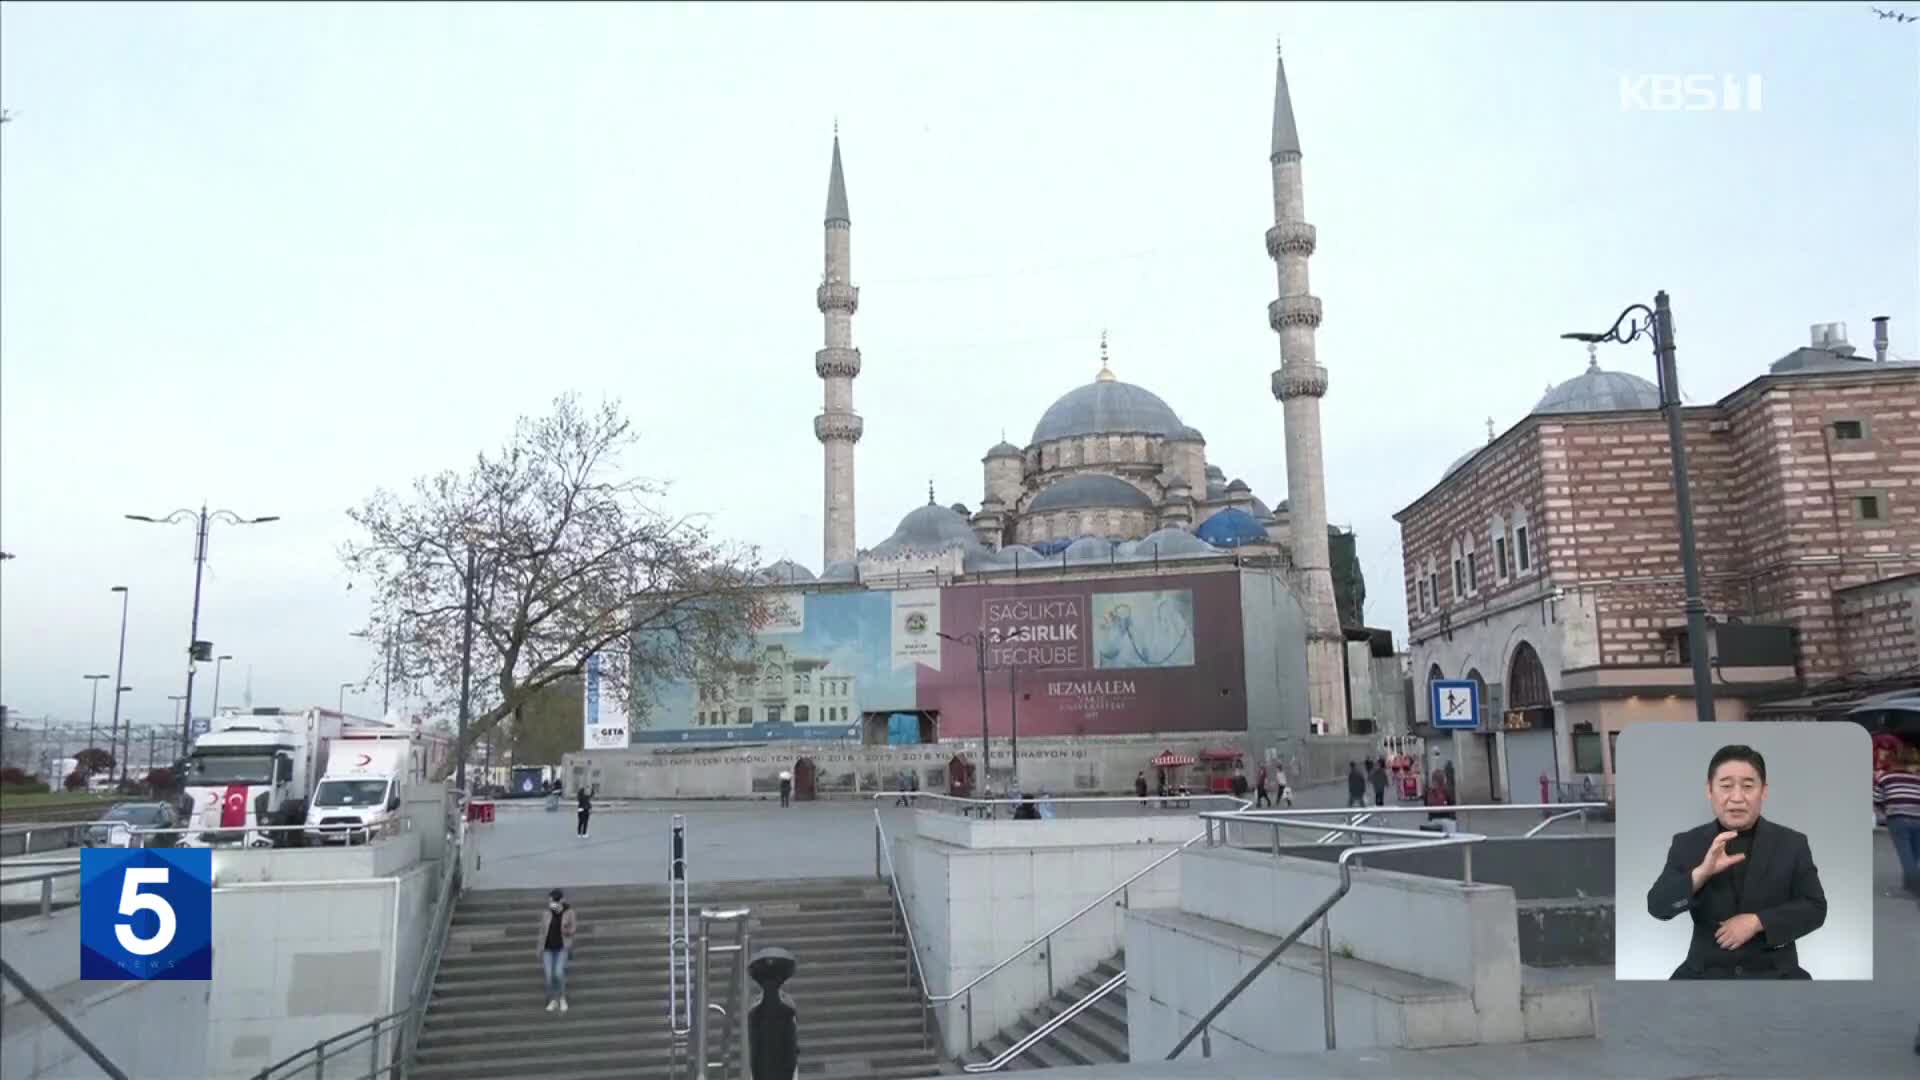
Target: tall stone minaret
1299 384
838 427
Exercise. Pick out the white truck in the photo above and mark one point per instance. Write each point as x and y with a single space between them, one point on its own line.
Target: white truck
368 769
257 768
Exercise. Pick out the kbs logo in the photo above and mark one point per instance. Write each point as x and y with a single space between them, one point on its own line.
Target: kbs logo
1689 93
146 913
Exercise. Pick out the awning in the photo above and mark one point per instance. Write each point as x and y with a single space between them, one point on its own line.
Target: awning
1221 754
1168 759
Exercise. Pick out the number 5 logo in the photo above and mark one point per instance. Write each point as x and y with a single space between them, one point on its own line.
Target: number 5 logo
146 913
133 901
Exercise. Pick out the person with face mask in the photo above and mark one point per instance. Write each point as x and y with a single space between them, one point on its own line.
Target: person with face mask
1748 882
557 924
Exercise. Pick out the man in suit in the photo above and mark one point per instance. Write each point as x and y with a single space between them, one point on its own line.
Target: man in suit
1749 883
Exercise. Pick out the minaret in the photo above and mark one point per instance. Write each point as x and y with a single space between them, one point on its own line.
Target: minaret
838 427
1299 384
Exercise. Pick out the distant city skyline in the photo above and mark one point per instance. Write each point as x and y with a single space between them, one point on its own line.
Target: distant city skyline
276 257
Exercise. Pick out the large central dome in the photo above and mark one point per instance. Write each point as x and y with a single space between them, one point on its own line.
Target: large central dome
1107 406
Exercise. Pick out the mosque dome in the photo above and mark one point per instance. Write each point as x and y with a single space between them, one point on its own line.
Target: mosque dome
1003 449
928 528
1089 490
783 572
1170 543
1231 528
1595 390
1089 549
1107 406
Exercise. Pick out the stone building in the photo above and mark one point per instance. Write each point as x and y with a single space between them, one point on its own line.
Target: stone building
773 686
1545 565
1110 462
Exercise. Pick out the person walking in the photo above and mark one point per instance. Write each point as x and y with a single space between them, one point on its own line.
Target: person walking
586 811
1260 797
1356 785
786 788
1140 787
1379 779
1896 798
1240 784
557 925
1282 790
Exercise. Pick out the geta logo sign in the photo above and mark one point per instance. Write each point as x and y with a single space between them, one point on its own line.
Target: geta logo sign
146 913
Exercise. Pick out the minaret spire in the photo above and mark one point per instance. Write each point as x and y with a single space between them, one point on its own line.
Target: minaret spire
1299 384
838 427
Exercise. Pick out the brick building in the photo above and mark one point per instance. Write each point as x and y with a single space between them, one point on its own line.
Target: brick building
1545 565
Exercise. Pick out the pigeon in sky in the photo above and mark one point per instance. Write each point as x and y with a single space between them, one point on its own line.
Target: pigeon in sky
1896 16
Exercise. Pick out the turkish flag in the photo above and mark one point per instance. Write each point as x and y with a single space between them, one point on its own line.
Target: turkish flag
233 807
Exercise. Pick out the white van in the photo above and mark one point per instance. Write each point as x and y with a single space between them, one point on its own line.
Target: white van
361 789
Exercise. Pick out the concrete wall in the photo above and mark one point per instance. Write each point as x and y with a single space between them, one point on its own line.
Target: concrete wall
1273 630
385 857
1448 961
974 906
1543 868
299 961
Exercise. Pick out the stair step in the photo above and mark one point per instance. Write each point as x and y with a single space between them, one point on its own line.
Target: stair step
529 1018
481 1051
564 1060
652 1002
636 959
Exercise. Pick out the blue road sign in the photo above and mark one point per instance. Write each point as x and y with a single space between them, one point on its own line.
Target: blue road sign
146 913
1454 704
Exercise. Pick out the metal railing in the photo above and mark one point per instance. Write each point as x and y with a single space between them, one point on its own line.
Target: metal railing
26 833
1405 840
916 977
1075 806
964 993
46 881
60 1021
1066 1016
703 1005
327 1057
679 932
250 835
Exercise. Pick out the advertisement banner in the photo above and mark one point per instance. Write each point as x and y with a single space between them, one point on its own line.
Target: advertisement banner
604 709
916 618
783 613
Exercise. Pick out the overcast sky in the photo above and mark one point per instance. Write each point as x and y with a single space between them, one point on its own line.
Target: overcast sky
276 257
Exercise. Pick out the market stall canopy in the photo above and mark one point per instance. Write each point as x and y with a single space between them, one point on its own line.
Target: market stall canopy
1168 759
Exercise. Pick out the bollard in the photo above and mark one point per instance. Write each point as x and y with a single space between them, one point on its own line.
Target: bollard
46 896
1326 974
1466 864
773 1027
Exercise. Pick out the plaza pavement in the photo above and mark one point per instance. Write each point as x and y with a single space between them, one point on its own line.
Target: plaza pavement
1649 1031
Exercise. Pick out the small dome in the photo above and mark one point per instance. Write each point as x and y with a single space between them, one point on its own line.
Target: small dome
1171 544
1595 390
1089 549
1265 513
961 509
1106 406
1239 485
783 572
1231 528
1002 449
1461 460
1089 490
928 528
1188 434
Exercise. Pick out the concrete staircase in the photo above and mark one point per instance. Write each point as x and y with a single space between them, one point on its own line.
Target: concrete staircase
858 1016
1098 1036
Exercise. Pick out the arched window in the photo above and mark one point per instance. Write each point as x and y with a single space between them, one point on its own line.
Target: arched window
1479 684
1527 681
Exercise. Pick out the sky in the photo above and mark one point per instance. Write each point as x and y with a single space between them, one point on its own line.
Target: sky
273 258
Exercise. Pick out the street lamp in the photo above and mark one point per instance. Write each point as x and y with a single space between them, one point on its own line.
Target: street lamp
344 687
979 643
1657 324
119 669
218 662
93 711
201 520
176 699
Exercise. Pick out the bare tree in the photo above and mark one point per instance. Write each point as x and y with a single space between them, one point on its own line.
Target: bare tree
554 556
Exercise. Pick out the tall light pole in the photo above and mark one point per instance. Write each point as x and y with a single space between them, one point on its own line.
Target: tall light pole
176 699
344 687
1657 323
979 643
119 673
218 662
196 649
93 711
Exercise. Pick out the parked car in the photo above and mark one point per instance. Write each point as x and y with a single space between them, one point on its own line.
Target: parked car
113 829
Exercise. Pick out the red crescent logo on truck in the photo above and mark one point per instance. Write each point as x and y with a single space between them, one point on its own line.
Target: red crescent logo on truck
364 759
233 808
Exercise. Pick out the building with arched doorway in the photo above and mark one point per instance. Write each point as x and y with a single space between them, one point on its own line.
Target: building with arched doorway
1545 565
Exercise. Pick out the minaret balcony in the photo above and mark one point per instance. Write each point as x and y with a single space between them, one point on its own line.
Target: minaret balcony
837 296
835 361
1300 380
1291 238
1294 311
838 427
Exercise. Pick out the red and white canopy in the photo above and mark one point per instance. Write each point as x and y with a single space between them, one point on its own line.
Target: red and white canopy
1168 759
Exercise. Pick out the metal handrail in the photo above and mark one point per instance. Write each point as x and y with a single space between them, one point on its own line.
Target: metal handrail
1581 811
1461 840
1049 1027
452 880
1330 837
914 972
316 1056
966 803
60 1021
46 881
371 832
1046 938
